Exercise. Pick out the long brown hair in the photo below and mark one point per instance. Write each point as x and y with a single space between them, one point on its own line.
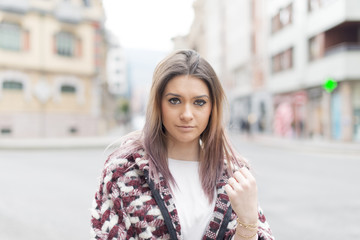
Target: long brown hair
214 143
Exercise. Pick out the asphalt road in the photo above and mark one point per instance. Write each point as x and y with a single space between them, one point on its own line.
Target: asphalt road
46 194
306 194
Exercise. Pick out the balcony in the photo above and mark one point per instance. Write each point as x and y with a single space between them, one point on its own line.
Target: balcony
334 53
67 12
331 15
17 6
342 47
340 62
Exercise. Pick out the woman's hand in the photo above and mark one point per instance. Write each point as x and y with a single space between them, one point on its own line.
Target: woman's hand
242 191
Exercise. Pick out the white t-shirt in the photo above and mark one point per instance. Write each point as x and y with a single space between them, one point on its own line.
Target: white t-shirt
193 206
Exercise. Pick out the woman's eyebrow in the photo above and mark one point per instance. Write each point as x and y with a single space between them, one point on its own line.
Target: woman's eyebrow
202 96
178 95
173 94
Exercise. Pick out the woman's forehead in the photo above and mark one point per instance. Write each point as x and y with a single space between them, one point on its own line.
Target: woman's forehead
186 84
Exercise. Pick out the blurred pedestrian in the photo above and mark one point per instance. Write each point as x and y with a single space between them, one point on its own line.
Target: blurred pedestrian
179 178
245 126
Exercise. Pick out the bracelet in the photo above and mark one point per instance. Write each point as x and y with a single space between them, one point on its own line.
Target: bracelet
247 237
247 226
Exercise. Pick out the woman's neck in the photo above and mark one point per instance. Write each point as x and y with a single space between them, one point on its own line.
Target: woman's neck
184 151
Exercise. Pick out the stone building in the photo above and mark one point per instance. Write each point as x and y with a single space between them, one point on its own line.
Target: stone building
274 58
231 35
312 42
52 68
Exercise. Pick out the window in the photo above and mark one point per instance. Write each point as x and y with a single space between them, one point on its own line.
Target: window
68 89
86 3
282 61
316 47
314 5
282 19
5 131
10 36
12 85
67 44
73 130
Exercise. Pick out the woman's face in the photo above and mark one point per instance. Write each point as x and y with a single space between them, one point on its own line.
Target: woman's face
186 108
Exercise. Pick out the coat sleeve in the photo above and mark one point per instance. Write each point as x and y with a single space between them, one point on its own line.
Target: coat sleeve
264 231
108 219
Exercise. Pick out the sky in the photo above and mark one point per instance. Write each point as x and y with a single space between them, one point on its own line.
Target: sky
148 24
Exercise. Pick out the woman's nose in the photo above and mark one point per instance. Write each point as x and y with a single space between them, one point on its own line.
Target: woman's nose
186 114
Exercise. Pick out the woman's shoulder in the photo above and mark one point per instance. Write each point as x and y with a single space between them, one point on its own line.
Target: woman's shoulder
124 147
123 159
126 143
124 169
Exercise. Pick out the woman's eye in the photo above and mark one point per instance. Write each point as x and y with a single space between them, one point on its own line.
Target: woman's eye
174 101
200 102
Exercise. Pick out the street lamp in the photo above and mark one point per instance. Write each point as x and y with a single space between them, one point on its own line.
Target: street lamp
42 91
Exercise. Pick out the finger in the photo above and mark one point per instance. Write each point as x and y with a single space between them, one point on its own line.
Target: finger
229 190
246 172
249 178
240 177
232 183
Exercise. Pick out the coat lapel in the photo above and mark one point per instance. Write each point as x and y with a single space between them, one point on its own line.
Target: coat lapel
163 197
222 212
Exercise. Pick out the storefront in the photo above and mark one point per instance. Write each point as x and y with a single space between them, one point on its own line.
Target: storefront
261 112
314 116
336 128
356 110
290 114
240 110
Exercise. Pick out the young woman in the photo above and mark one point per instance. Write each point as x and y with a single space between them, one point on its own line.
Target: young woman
179 178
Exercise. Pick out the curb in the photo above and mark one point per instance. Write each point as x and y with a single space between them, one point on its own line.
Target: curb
56 143
323 146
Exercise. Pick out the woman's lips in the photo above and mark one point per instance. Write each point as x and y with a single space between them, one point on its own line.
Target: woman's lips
186 128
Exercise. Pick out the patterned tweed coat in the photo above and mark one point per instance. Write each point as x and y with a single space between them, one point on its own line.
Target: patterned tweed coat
128 205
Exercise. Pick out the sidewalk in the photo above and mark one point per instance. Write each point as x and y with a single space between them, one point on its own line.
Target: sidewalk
63 143
56 143
323 146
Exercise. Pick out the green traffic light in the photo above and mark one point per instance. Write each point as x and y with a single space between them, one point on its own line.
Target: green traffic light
330 85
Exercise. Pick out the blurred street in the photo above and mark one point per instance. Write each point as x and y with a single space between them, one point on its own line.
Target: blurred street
306 191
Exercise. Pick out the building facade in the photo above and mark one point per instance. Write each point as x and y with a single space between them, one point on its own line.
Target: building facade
274 58
52 66
245 48
313 42
116 67
231 35
117 95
